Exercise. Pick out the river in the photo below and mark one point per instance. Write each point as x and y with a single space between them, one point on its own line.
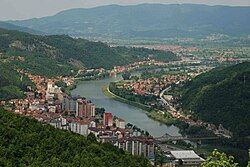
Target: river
92 90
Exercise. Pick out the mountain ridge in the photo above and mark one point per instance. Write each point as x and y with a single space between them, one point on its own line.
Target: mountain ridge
5 25
34 53
174 20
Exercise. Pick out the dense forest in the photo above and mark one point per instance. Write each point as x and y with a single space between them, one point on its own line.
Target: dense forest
62 55
26 142
221 96
12 84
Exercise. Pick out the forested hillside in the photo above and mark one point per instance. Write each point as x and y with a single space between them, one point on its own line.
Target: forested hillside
12 84
62 55
221 96
26 142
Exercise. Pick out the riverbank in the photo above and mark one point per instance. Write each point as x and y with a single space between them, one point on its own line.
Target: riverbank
70 88
156 115
160 116
110 94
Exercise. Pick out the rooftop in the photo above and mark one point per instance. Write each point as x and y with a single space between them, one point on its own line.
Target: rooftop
185 154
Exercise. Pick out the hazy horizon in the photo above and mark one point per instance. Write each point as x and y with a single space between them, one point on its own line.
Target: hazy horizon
27 9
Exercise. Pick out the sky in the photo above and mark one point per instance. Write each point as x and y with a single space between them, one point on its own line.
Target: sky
26 9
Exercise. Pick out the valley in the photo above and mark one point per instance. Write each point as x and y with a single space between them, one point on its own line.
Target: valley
163 85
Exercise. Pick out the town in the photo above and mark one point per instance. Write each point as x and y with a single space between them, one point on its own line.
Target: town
48 104
152 90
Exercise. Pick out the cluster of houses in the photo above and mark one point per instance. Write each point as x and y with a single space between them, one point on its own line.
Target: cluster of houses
136 65
82 118
79 115
153 86
48 104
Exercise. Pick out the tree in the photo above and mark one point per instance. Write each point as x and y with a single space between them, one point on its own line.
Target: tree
126 75
159 158
100 111
91 137
218 159
135 78
129 125
97 121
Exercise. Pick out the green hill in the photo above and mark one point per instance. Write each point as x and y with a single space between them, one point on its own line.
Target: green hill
26 142
60 55
12 84
221 96
146 21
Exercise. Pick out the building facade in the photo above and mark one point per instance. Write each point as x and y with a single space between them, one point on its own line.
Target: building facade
107 119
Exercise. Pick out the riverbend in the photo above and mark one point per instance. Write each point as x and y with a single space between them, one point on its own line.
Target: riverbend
92 90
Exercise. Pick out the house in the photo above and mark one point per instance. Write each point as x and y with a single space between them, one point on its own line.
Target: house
94 130
69 104
52 109
107 136
60 123
137 146
79 126
120 123
85 108
107 119
186 158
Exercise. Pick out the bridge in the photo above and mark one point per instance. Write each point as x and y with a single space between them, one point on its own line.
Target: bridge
176 138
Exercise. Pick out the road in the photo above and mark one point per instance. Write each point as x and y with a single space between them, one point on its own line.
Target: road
172 109
175 138
178 115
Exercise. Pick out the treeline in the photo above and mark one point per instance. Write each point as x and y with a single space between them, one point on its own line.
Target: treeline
62 55
26 142
221 96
